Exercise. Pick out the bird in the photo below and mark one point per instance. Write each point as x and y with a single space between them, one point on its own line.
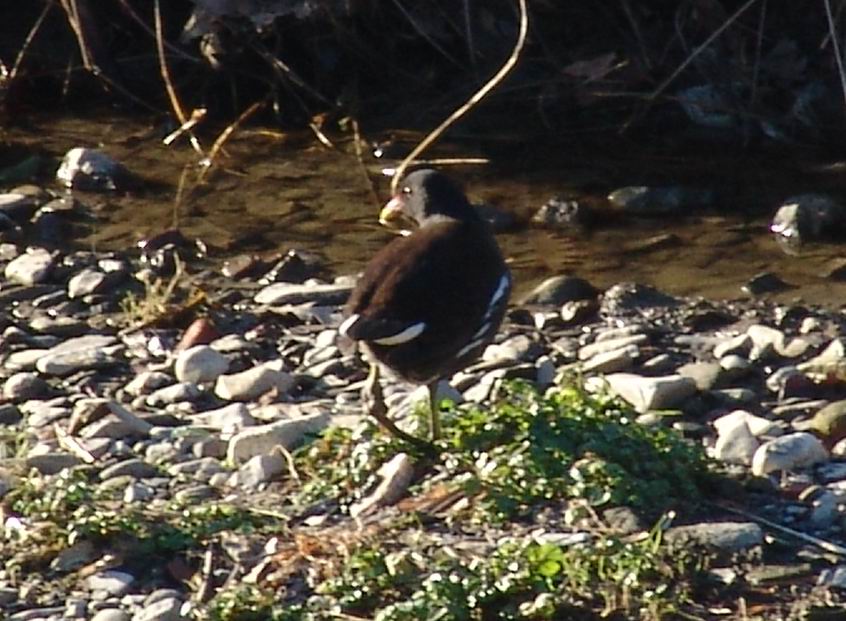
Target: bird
430 301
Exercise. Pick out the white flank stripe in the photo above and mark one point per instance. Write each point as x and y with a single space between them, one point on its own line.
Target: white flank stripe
348 323
471 345
481 331
504 282
412 331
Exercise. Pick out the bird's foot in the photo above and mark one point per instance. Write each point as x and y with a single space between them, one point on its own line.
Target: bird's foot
374 403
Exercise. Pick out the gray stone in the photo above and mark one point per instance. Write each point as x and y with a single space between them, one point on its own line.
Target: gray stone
166 609
200 364
835 577
260 440
757 425
648 393
287 293
260 469
24 360
111 614
53 462
723 536
558 290
736 444
147 381
794 450
607 345
92 351
135 468
516 348
706 375
30 268
228 419
253 383
90 169
612 361
739 345
767 341
111 581
175 393
138 492
86 282
545 371
8 596
194 494
24 386
831 360
59 326
807 217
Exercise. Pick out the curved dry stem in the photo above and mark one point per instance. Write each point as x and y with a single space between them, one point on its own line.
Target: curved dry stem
470 103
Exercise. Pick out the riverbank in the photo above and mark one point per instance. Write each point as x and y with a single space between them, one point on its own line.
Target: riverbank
159 454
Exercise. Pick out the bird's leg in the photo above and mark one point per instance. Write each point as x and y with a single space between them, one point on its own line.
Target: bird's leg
371 395
434 411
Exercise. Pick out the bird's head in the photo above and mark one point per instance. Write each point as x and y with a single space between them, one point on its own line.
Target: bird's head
425 196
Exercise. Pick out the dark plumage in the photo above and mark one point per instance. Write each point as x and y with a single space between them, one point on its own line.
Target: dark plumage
429 302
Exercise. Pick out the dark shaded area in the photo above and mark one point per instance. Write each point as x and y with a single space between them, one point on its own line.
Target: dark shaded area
590 66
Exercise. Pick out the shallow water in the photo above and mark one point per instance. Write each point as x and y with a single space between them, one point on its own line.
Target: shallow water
273 191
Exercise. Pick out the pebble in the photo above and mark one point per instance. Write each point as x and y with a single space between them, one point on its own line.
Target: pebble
92 351
200 364
135 468
648 393
613 361
736 444
261 439
113 582
286 293
260 469
603 346
724 536
559 290
86 282
794 450
111 614
175 393
24 386
253 383
227 420
30 268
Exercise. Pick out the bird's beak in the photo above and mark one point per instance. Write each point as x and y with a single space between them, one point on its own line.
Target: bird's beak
391 212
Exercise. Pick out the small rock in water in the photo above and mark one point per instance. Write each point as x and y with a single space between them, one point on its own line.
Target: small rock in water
559 290
89 169
765 282
627 296
649 201
560 213
807 217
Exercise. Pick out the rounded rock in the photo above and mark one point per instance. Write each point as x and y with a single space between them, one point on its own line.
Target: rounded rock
200 364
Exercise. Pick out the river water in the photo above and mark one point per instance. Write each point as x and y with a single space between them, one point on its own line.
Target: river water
271 191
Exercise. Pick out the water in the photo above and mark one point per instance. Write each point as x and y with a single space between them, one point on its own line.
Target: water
272 191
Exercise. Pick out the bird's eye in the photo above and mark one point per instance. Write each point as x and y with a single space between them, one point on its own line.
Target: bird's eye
406 190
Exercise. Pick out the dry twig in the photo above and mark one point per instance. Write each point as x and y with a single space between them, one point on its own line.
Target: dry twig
171 91
28 41
470 103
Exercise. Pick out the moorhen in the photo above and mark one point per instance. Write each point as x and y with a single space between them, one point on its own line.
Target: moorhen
429 302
